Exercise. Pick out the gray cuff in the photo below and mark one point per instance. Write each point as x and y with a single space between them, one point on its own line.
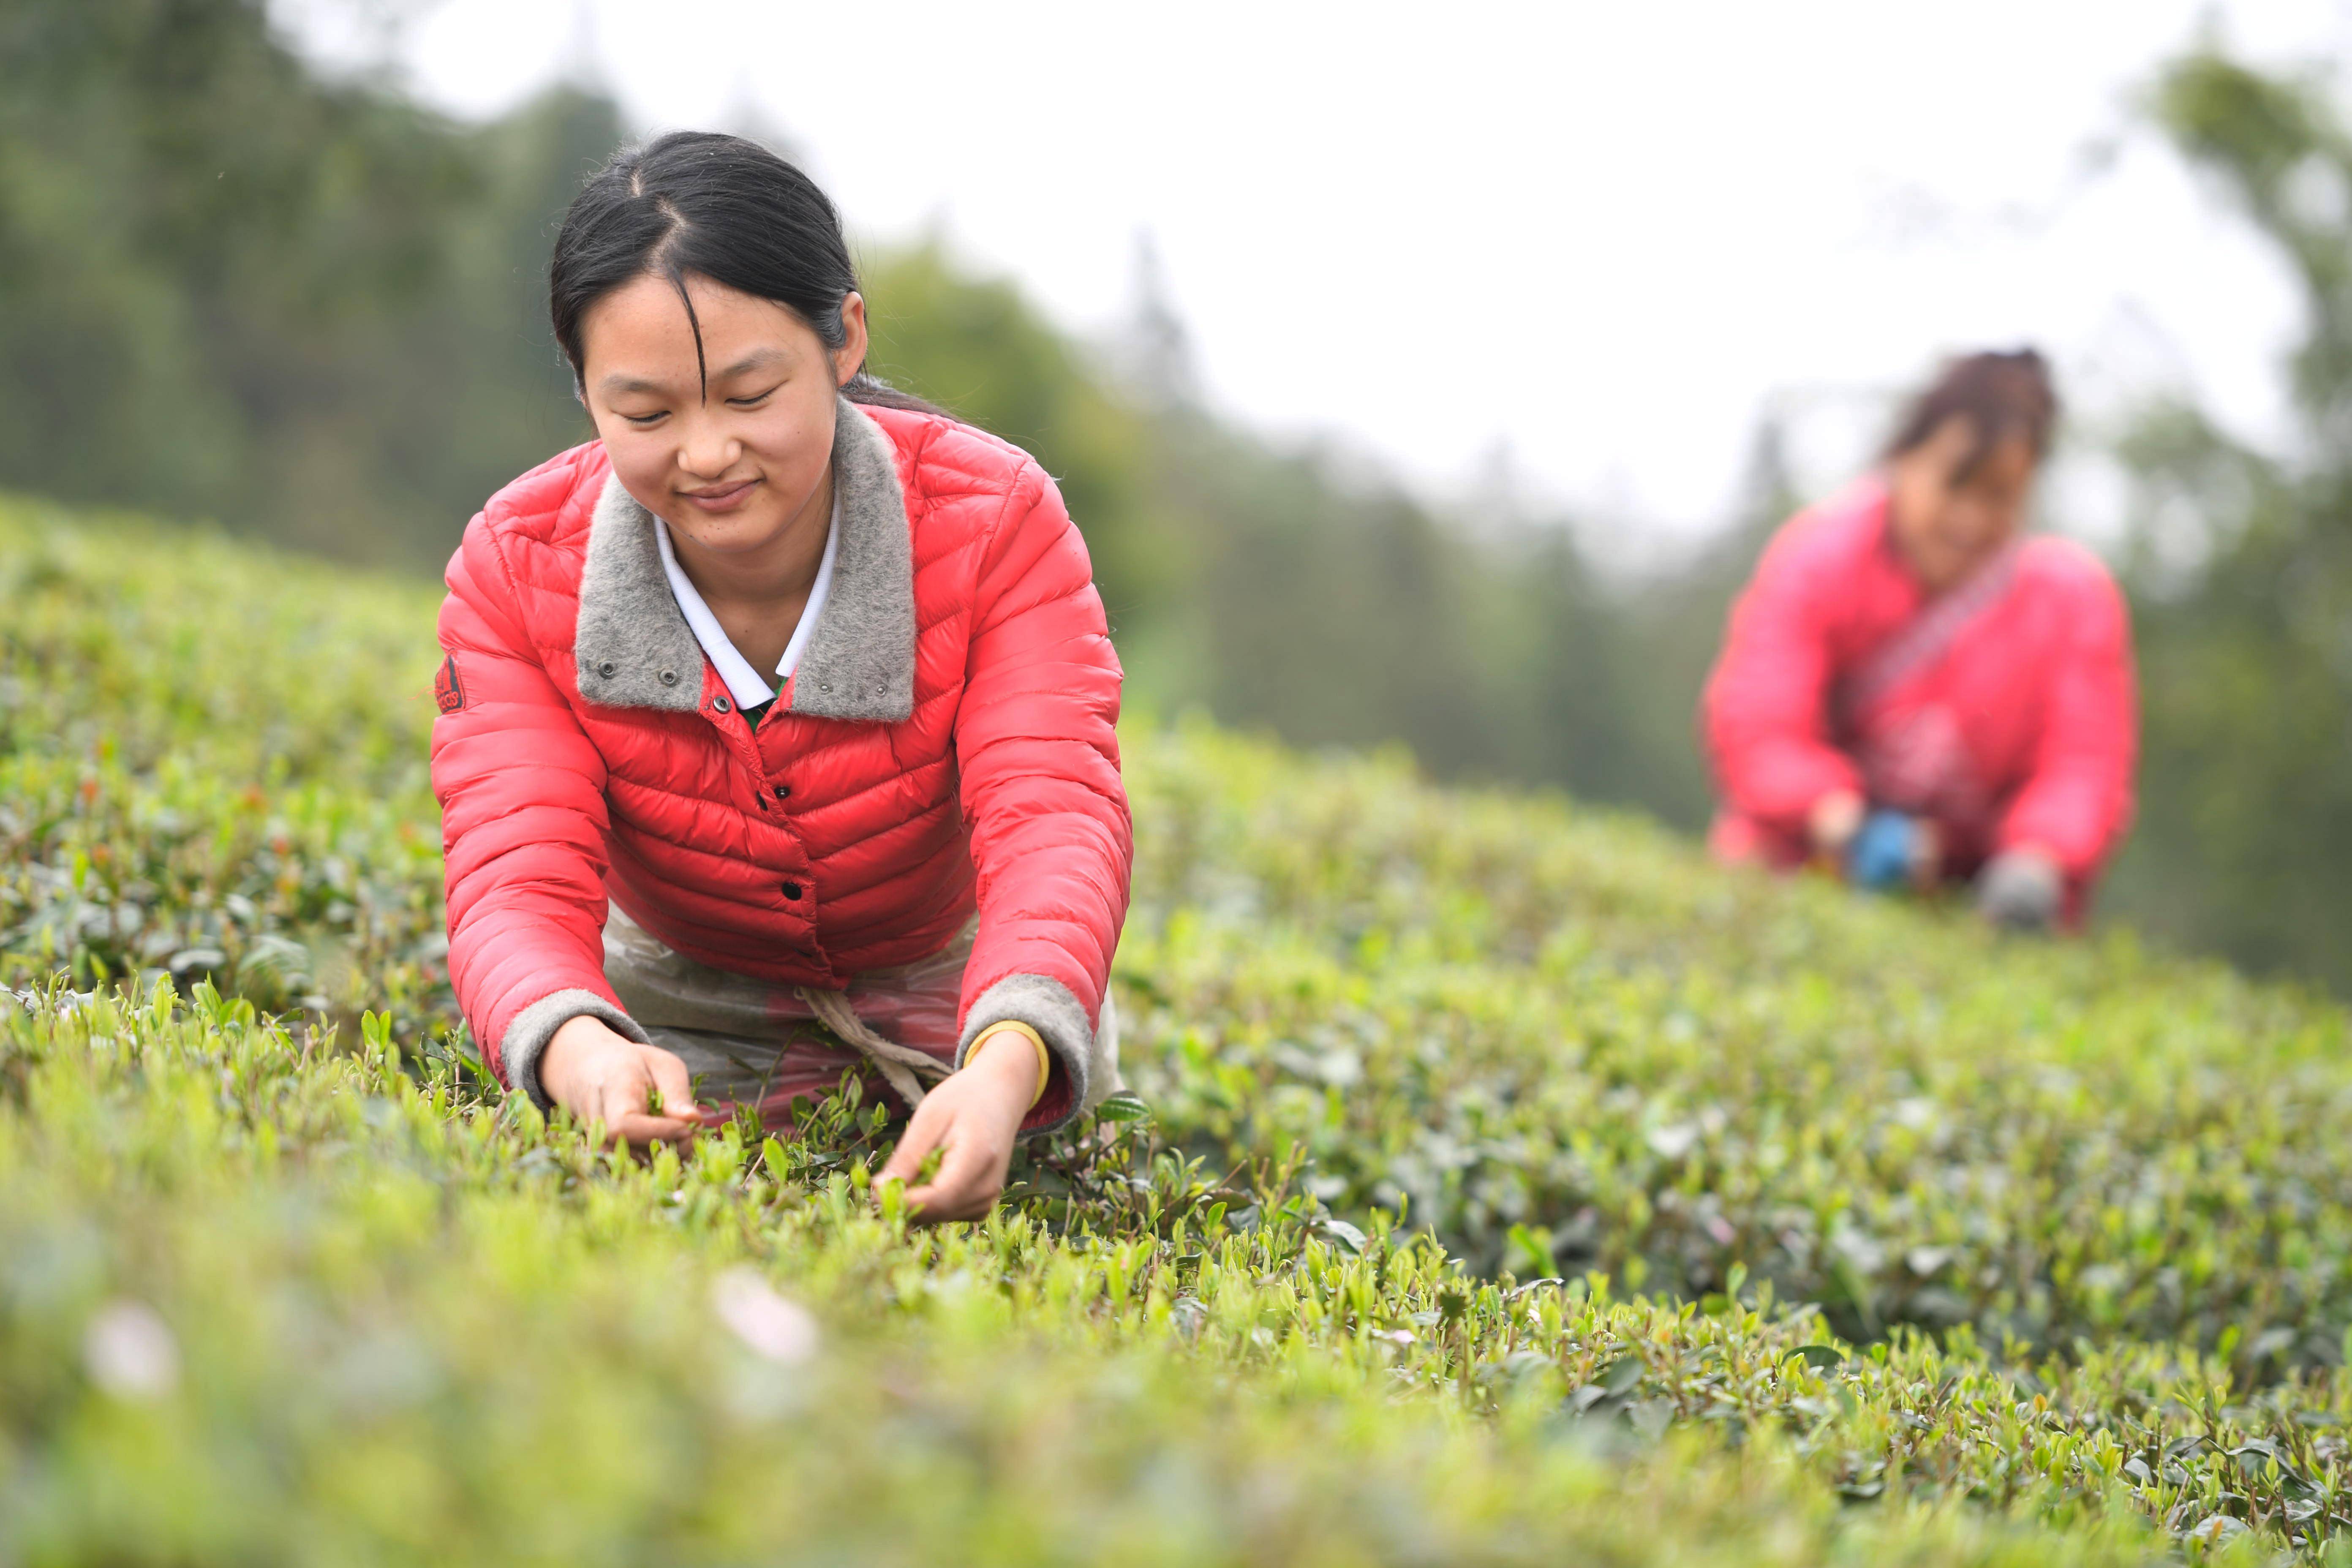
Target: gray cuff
2022 891
1090 1057
536 1024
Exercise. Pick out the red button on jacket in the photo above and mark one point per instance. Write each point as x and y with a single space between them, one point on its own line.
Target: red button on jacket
948 738
2031 700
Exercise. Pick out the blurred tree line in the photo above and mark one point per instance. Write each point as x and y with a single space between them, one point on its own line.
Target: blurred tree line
231 287
2241 572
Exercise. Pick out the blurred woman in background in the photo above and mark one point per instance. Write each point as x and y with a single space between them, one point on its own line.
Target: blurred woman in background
1913 692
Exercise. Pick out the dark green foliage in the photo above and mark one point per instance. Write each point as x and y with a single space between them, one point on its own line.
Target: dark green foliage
2244 574
229 288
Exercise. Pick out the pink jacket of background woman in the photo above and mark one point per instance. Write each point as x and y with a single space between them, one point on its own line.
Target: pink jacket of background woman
2017 728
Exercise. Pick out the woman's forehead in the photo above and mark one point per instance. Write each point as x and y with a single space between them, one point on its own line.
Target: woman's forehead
644 330
1960 444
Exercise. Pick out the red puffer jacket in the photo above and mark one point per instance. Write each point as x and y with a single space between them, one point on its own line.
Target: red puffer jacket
946 744
2020 729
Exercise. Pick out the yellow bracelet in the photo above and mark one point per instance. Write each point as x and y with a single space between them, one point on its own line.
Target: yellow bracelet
1013 1027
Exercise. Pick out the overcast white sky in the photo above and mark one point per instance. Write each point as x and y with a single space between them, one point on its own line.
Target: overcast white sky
1598 237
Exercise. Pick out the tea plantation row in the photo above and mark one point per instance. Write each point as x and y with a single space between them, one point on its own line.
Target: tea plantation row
1659 1139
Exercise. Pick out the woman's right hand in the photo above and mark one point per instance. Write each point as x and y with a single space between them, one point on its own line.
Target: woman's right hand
603 1077
1835 818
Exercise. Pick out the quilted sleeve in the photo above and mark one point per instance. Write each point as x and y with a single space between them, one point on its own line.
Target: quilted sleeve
2077 803
1051 843
1767 704
522 828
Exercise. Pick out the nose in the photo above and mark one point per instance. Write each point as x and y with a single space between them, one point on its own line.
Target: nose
1977 523
706 449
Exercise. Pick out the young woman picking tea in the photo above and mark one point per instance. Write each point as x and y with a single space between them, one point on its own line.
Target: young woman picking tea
777 731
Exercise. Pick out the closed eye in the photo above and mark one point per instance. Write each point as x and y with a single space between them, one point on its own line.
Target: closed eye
647 421
754 400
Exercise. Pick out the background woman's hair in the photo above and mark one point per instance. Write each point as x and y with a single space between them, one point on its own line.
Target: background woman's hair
720 207
1999 396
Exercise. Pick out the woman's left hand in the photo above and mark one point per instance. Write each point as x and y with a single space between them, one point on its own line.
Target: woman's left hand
972 1118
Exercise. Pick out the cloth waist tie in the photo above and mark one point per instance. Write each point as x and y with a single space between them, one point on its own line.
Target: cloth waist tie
766 1042
903 1067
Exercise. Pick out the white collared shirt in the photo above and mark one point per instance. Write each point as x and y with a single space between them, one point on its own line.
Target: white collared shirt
744 683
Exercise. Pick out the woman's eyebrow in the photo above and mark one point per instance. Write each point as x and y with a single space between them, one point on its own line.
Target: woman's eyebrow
758 359
617 384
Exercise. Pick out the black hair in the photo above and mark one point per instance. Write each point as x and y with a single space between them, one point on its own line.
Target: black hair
1999 396
719 206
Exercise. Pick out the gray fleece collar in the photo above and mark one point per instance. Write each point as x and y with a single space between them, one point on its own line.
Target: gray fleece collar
632 647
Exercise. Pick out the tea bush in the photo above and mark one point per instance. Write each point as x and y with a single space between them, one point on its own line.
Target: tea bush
1569 1043
271 1299
1520 1188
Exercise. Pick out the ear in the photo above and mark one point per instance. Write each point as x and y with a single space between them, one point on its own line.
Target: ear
850 357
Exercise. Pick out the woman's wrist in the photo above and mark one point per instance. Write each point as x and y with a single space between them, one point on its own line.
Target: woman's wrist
1035 1043
1834 819
580 1037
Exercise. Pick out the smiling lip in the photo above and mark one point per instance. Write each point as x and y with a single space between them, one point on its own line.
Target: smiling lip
723 498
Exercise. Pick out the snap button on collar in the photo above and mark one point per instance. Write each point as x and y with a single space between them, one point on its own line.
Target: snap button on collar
606 668
669 677
720 705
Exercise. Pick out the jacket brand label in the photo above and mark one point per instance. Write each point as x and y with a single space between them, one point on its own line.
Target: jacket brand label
447 694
